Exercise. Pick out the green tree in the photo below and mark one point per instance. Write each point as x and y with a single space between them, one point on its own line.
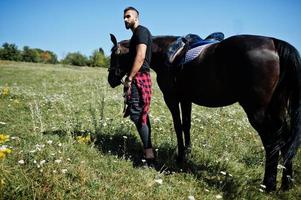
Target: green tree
46 56
76 59
53 58
30 55
101 51
98 59
10 52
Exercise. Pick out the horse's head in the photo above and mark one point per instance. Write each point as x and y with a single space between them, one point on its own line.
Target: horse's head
120 62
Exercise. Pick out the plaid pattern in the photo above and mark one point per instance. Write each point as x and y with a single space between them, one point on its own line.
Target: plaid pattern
144 84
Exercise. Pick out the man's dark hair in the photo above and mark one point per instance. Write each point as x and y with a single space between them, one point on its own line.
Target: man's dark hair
131 8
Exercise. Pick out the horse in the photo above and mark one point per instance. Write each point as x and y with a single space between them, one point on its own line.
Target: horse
262 74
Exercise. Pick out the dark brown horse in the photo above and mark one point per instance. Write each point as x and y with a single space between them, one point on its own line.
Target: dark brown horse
263 74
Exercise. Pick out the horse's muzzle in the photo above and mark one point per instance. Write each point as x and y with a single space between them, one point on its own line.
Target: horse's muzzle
113 80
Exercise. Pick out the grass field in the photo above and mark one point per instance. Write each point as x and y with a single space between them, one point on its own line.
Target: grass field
68 140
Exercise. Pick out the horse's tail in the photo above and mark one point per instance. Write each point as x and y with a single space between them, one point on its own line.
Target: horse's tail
290 66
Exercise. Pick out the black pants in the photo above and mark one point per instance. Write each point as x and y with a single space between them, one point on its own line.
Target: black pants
135 106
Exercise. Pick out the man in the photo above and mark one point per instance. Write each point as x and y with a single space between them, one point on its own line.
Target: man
138 82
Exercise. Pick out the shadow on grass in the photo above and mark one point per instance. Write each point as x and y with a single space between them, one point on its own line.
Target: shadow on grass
127 146
122 144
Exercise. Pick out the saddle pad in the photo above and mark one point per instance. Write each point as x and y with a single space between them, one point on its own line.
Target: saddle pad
195 52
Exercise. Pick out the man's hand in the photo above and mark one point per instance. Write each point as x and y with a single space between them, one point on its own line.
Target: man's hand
127 82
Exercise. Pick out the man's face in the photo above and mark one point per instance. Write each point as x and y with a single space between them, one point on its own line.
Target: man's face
130 19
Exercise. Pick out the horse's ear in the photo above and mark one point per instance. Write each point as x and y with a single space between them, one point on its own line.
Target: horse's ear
113 39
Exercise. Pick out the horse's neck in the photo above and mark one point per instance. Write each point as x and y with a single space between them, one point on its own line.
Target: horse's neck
157 63
159 50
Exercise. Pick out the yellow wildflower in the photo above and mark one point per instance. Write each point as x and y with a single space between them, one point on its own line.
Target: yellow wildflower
2 155
2 182
4 151
3 138
16 101
83 139
5 90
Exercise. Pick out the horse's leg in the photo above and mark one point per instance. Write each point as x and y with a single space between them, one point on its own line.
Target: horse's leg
174 108
186 124
278 112
272 159
267 129
287 174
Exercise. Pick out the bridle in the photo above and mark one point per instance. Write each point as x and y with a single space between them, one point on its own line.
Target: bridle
116 66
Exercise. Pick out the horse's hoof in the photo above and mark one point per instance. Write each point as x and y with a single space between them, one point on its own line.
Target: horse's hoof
287 183
181 158
270 188
187 151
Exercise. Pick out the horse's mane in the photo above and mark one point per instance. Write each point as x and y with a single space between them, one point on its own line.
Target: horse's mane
160 44
160 40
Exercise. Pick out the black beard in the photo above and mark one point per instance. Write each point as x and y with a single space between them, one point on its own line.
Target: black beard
127 25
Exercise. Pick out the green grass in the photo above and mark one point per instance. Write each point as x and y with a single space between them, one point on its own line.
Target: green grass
48 106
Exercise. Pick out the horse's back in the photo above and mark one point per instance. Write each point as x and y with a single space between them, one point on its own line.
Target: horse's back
231 70
254 66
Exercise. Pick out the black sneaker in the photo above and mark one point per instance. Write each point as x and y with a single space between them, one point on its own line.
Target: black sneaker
149 163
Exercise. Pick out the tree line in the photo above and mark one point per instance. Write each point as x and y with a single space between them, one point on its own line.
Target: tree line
36 55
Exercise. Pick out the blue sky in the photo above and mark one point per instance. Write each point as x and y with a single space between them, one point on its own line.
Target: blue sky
64 26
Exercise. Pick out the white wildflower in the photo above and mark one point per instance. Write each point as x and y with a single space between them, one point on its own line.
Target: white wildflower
3 147
58 161
219 196
40 145
21 162
159 181
59 144
191 197
49 142
263 186
125 137
42 162
223 173
206 190
2 123
64 171
261 190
